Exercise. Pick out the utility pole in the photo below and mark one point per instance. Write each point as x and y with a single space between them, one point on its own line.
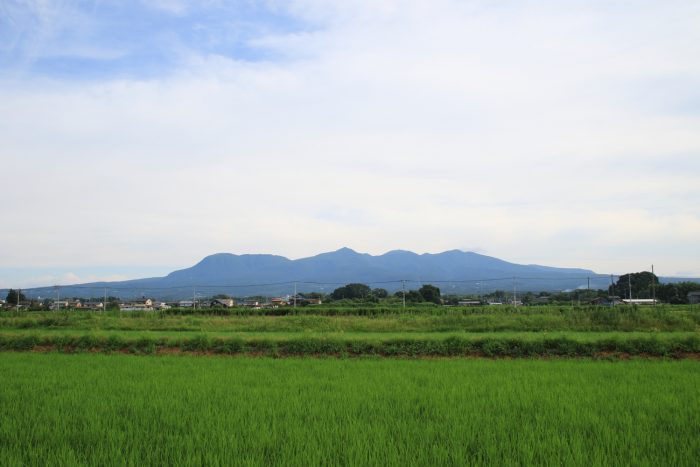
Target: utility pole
295 294
515 294
403 289
194 298
612 289
58 298
104 304
653 285
629 284
588 290
19 293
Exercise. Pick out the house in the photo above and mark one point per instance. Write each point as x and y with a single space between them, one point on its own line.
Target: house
639 301
222 302
185 304
276 302
93 306
58 305
694 297
469 303
612 300
142 305
301 300
251 303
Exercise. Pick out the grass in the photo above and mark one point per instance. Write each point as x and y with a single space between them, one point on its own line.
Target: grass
435 319
679 345
124 410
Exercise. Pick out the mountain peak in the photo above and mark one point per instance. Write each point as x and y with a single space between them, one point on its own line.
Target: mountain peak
345 251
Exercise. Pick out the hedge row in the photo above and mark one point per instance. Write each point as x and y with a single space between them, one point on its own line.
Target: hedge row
408 347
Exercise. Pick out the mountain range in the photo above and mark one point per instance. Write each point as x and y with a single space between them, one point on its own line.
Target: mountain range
453 271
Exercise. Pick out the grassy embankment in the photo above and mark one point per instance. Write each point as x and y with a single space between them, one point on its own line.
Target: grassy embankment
422 331
122 410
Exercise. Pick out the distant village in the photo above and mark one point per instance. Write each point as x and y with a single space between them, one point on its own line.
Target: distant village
632 289
150 304
261 303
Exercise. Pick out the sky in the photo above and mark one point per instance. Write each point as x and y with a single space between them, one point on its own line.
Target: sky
137 137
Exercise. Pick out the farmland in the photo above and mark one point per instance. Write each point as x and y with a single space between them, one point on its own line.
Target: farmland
368 386
421 331
117 409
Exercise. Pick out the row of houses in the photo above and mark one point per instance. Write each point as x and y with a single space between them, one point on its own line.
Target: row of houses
149 304
275 302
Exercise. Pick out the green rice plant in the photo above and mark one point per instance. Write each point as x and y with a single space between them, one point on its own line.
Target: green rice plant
200 343
91 409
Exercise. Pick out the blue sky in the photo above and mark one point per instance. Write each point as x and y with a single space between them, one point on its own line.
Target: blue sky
137 40
140 136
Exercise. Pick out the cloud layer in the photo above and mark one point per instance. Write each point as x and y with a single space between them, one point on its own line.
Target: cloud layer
566 135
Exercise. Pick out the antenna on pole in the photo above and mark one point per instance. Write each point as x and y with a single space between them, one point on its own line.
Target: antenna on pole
612 289
653 285
403 289
629 284
588 290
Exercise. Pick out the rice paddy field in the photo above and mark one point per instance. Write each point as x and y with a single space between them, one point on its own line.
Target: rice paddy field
460 387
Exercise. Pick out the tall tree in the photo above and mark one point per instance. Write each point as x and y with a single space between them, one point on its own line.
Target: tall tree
676 293
641 282
14 297
380 293
430 293
351 291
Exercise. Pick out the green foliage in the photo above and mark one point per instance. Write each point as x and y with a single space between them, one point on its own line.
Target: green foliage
380 293
351 291
642 283
430 293
676 293
123 410
416 317
433 346
14 297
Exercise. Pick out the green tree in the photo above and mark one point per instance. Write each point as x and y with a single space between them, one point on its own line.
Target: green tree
430 293
351 291
413 296
380 293
676 293
14 297
641 283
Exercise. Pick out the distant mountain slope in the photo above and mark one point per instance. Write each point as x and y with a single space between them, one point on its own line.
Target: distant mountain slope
241 275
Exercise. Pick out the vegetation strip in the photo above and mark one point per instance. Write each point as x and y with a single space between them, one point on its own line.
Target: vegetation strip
677 347
379 319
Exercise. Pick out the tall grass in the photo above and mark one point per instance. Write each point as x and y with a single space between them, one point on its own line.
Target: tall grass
669 345
437 319
121 410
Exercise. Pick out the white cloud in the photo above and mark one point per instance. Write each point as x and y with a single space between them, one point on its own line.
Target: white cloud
68 278
414 125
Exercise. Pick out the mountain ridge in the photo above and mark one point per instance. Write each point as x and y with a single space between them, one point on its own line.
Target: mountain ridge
455 271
